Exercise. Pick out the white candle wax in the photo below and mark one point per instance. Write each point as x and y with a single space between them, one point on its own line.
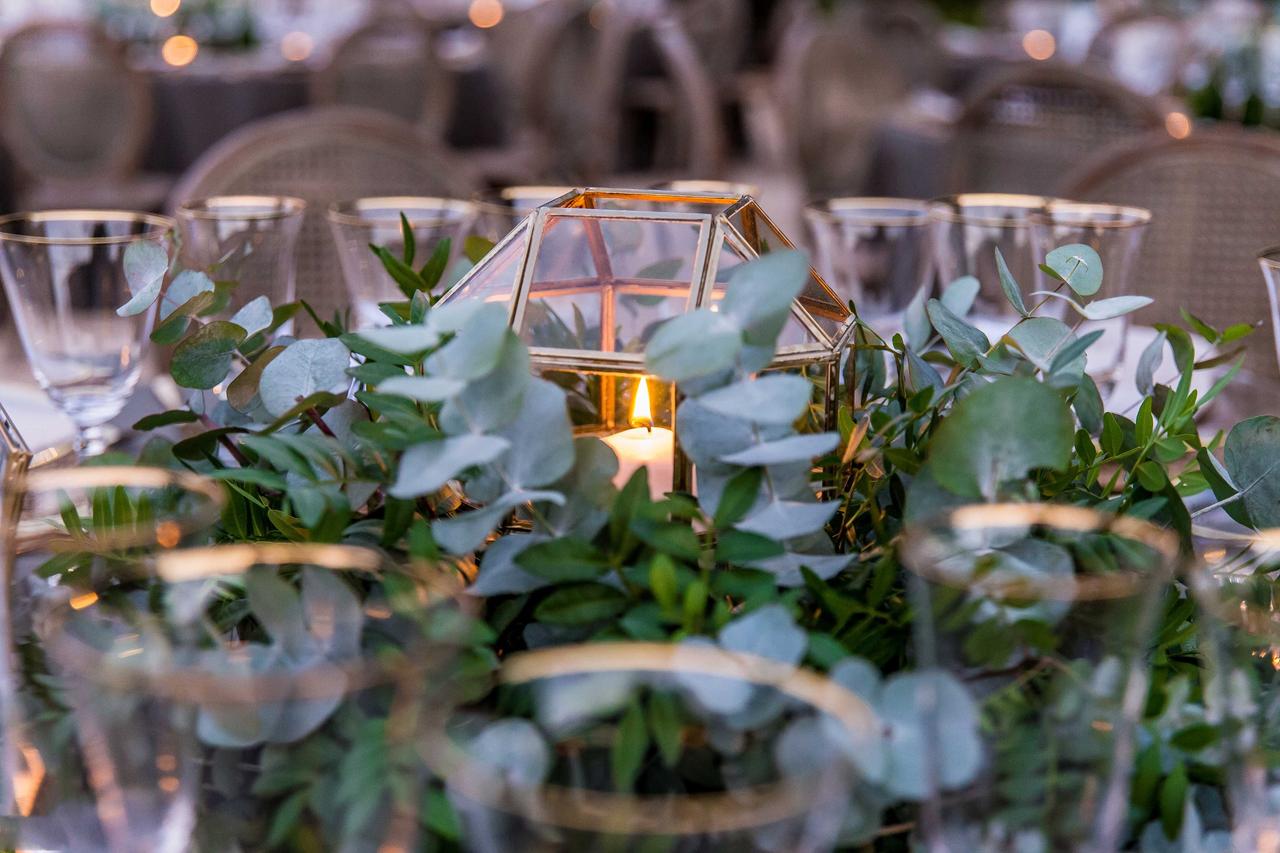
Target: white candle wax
654 448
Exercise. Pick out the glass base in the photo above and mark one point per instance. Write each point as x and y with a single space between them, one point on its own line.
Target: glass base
94 441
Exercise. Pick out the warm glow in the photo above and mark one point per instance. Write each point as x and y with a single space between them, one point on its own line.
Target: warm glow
27 781
296 46
168 534
80 602
164 8
641 411
1039 44
179 50
485 13
1178 125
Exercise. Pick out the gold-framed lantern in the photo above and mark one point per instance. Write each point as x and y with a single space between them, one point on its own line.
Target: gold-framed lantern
587 279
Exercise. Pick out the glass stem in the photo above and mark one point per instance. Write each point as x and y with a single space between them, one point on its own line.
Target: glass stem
92 441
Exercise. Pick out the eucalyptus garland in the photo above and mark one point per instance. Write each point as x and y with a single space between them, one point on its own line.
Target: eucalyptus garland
429 438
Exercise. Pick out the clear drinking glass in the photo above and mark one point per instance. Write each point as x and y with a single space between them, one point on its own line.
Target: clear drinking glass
1269 260
1115 233
746 754
192 684
358 224
874 251
499 211
967 229
63 273
1045 614
1237 593
248 239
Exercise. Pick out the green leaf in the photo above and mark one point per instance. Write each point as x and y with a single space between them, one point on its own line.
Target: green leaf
581 604
426 468
406 236
402 274
775 398
694 345
794 448
433 269
1173 794
163 419
1251 456
1220 482
960 294
1079 266
998 434
204 359
739 495
254 316
663 582
1040 339
1102 309
965 342
184 288
1195 737
629 747
563 560
1149 363
1088 405
670 537
145 263
306 367
475 247
1009 285
424 389
759 296
739 547
244 388
1151 476
1209 333
666 727
251 476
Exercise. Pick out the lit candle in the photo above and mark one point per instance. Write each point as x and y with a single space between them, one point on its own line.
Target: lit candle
645 445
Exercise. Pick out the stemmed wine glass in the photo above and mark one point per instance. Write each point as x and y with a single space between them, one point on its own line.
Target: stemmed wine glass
1045 613
64 274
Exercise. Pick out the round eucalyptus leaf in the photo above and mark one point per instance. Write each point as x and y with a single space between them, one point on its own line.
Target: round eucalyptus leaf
966 343
425 468
304 368
796 448
145 264
514 749
541 438
767 632
1251 456
781 519
1078 265
203 359
1040 339
933 732
998 433
776 398
960 294
693 345
425 389
254 316
760 294
402 340
185 285
479 331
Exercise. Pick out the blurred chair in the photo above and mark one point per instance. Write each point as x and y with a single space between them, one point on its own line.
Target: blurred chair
389 64
325 155
588 115
834 86
1144 50
76 119
1020 125
1215 200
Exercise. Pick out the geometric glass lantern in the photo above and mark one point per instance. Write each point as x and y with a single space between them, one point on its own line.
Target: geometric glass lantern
589 277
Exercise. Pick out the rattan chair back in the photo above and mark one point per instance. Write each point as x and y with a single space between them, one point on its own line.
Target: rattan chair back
1215 203
71 108
1021 128
324 155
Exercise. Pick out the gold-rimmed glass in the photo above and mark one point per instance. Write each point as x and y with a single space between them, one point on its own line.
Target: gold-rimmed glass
1237 593
968 228
63 273
192 683
1046 614
873 251
249 239
1269 261
358 224
754 755
1115 232
499 211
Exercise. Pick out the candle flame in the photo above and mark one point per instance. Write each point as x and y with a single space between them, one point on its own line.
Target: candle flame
641 411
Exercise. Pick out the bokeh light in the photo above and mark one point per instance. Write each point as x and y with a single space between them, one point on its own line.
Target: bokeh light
485 13
179 50
1178 125
164 8
296 46
1039 44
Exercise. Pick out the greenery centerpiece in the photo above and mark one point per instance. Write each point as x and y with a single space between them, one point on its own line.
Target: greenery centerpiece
429 440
